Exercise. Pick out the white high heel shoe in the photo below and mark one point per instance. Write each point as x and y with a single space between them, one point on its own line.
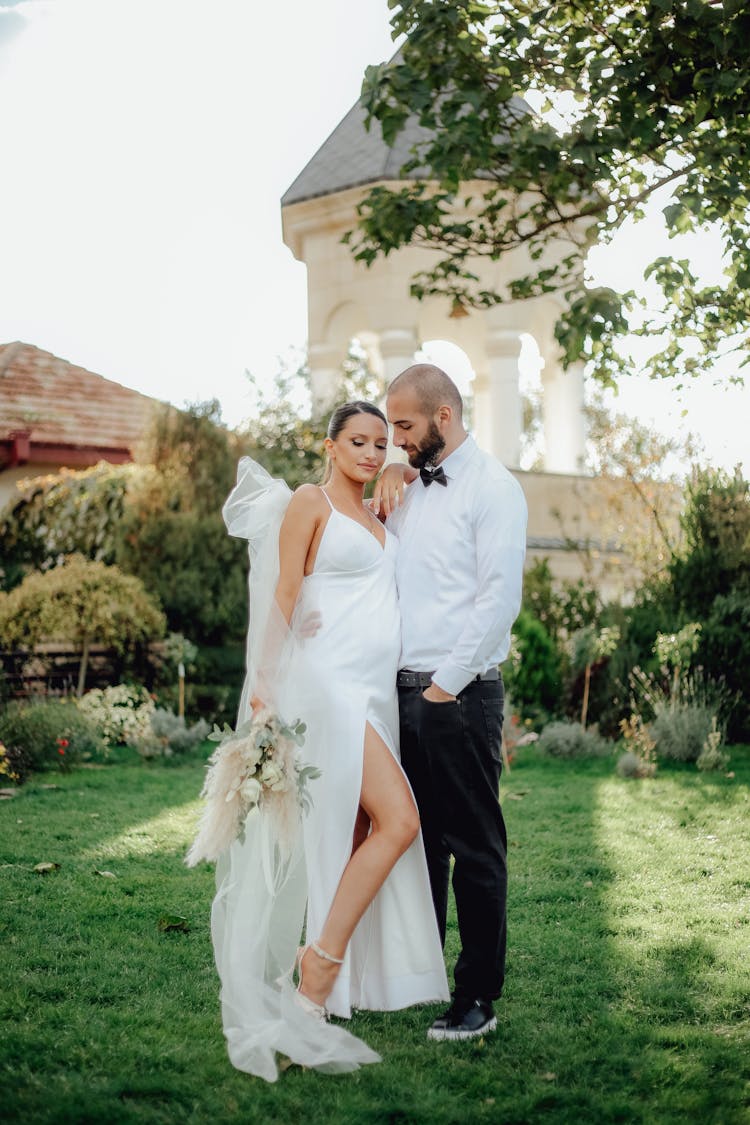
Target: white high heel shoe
318 1011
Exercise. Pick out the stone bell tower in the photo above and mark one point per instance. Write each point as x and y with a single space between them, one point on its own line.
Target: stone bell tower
346 299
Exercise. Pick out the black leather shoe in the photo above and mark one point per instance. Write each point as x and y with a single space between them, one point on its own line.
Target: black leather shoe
462 1022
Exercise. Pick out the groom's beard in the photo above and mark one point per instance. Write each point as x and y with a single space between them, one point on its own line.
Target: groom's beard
428 450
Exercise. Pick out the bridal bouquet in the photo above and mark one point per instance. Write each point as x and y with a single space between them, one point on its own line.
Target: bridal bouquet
256 765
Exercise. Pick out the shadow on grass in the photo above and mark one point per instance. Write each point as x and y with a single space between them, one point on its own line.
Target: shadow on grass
622 1004
619 1018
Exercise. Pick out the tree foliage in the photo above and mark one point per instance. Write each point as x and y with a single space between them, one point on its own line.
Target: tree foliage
707 582
648 98
172 535
715 558
63 513
193 567
159 520
639 475
80 603
285 432
194 456
532 675
282 432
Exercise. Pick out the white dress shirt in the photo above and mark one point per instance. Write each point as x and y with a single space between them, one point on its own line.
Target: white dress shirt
460 567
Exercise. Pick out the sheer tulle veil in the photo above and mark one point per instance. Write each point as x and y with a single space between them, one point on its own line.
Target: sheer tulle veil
258 914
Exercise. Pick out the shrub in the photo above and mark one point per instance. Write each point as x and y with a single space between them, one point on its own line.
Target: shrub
515 733
49 733
725 647
570 740
197 572
15 763
169 734
532 674
639 741
61 514
681 714
121 712
681 729
631 765
713 756
213 689
83 603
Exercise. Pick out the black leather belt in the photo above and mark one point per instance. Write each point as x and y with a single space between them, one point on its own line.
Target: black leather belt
406 678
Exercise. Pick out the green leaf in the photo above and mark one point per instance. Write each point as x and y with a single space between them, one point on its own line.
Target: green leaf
646 82
173 923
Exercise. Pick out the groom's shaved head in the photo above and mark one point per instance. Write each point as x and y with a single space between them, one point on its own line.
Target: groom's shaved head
432 387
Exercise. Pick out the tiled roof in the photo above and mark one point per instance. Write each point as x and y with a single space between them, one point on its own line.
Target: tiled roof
352 156
59 403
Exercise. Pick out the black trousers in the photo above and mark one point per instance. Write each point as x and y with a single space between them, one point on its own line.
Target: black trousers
451 755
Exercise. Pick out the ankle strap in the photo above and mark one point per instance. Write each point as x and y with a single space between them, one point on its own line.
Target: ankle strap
326 956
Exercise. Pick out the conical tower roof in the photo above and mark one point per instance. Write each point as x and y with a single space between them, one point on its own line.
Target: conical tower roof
353 156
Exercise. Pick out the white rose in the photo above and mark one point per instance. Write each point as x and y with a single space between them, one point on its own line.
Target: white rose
250 791
272 776
252 756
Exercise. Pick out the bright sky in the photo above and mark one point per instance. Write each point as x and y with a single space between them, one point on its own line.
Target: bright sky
145 146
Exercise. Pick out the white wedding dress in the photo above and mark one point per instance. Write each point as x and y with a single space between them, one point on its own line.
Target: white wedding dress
337 681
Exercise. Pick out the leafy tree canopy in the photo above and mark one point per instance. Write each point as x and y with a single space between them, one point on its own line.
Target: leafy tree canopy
285 432
159 521
82 603
715 557
649 97
65 512
194 455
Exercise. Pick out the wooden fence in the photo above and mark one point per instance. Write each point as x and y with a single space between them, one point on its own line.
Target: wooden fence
52 669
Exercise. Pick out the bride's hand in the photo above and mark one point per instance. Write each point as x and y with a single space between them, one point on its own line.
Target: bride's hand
310 624
256 704
388 493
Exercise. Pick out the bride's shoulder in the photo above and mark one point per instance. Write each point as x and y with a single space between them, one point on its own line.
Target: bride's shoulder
307 500
309 494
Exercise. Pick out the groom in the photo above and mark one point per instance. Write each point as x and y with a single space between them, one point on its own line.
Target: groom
462 538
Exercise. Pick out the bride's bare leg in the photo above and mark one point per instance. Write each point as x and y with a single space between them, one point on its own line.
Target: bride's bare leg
387 801
361 829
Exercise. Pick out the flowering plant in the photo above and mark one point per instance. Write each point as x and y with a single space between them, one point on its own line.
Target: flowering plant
516 734
258 764
122 712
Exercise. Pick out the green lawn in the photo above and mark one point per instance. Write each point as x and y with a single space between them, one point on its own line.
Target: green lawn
628 991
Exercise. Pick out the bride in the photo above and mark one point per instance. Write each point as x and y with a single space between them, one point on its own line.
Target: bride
355 874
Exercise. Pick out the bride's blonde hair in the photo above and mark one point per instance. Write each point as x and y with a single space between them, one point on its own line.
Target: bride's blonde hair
338 420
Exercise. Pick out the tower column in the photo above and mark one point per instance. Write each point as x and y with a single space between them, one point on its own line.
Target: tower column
324 362
397 348
498 413
563 417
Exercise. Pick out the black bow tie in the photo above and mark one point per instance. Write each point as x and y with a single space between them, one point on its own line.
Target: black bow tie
429 475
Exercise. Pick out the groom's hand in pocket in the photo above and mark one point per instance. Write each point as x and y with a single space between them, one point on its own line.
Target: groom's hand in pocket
435 694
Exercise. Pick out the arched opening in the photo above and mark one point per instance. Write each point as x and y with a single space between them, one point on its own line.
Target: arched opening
530 364
456 363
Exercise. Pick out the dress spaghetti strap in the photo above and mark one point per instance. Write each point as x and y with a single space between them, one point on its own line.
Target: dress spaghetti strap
328 498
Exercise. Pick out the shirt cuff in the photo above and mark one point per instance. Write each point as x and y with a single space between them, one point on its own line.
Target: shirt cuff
451 678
